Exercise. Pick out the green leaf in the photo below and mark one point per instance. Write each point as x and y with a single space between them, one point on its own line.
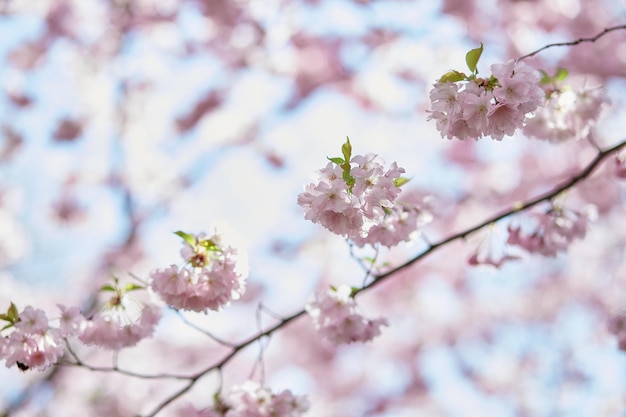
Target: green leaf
545 78
354 291
349 179
133 287
346 150
190 239
207 243
108 287
12 313
337 161
7 327
399 182
452 77
472 57
561 74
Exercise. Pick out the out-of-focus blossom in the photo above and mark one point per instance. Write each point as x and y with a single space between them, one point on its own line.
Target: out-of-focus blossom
553 232
336 320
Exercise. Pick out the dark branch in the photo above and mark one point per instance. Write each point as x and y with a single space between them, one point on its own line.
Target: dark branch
585 173
576 42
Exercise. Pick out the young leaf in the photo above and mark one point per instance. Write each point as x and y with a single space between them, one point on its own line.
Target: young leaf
354 291
369 259
190 239
472 57
12 313
561 74
452 77
346 150
132 287
545 78
208 244
399 182
107 287
337 161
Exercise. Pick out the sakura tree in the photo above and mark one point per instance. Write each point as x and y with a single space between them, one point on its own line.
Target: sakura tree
313 208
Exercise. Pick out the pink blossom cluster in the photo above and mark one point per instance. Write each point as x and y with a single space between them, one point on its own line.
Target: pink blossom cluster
335 317
208 281
32 344
568 114
111 329
363 206
496 106
553 232
253 400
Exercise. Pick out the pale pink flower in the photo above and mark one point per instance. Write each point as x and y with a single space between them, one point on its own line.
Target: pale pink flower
504 119
32 321
111 330
443 97
475 111
336 320
353 210
200 288
70 320
553 233
496 106
252 400
33 350
568 114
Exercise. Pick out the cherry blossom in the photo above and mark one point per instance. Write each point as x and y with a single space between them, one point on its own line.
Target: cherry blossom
553 232
571 109
113 329
358 199
335 318
32 344
252 400
495 106
209 281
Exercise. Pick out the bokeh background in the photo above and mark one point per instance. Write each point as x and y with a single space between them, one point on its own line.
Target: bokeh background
123 121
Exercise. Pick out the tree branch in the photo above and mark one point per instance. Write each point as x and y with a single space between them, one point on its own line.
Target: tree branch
585 173
572 43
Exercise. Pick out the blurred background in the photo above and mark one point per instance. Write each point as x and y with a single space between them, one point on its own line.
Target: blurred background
124 121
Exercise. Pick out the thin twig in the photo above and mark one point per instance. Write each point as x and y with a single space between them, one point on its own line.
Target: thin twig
203 331
586 172
589 169
572 43
79 363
